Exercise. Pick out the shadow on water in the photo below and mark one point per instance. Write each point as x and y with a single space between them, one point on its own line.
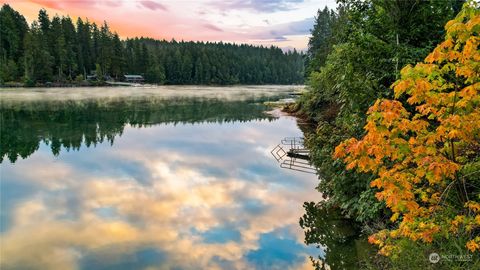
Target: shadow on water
339 239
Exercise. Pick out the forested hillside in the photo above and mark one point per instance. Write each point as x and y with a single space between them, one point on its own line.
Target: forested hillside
403 164
59 50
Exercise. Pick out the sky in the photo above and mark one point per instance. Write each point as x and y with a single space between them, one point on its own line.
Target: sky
282 23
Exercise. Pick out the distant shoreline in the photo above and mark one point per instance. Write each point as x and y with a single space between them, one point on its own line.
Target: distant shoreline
12 85
53 84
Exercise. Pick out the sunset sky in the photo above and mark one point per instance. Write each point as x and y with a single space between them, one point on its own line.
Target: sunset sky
283 23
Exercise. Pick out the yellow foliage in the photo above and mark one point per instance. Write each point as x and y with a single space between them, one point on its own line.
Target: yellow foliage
415 154
474 244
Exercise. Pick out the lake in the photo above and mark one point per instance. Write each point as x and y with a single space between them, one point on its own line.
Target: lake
149 178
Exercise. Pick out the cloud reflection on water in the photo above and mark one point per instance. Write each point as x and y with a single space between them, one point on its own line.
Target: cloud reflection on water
188 196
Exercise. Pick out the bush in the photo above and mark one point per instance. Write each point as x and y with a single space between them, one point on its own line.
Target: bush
29 82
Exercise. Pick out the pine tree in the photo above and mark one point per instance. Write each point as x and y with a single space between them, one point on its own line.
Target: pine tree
73 51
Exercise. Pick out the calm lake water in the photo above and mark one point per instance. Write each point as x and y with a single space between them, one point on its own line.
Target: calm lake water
149 178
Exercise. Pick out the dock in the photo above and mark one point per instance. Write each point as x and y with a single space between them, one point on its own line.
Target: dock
292 154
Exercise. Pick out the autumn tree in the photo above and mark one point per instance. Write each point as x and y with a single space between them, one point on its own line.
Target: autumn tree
423 145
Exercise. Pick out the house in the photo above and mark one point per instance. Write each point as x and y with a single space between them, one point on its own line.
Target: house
134 78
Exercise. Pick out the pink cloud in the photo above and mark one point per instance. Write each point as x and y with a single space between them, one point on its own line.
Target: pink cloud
48 4
74 5
153 5
113 3
212 27
181 22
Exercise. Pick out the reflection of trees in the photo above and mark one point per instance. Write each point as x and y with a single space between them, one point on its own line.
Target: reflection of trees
326 228
68 124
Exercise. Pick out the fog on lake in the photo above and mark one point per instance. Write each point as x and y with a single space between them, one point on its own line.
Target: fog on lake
149 178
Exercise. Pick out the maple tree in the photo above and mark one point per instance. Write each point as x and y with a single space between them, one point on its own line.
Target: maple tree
424 144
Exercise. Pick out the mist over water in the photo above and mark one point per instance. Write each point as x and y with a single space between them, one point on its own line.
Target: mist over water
143 92
149 178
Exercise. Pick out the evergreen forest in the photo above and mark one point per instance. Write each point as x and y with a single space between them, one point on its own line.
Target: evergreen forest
58 49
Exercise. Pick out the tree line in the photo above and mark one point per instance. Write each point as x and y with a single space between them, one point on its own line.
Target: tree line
60 50
403 164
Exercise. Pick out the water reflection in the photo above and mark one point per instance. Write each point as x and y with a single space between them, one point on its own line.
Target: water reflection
167 194
72 121
339 239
